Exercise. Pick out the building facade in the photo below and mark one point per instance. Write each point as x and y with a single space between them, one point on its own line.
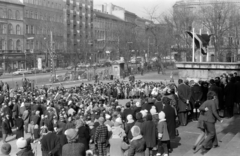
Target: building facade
78 20
105 27
43 26
11 34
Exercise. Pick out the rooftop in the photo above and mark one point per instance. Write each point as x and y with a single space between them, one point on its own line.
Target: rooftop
106 15
12 1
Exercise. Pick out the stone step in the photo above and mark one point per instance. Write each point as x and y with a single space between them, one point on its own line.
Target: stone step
233 145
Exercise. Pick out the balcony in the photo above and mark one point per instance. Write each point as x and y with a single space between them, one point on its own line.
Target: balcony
68 12
68 21
68 2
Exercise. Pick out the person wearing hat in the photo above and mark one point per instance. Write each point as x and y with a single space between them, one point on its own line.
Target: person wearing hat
5 149
101 136
50 142
73 148
137 144
137 109
25 147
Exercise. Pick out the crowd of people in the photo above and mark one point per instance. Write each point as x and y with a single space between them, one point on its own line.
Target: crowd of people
90 119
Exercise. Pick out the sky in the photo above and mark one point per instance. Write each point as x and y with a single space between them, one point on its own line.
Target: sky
139 6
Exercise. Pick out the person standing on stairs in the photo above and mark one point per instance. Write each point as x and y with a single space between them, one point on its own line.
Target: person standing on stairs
209 111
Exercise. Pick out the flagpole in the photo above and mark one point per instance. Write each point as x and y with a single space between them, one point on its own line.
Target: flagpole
207 52
200 54
193 47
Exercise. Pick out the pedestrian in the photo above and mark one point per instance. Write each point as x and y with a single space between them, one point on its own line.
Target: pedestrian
25 147
163 136
137 144
210 112
5 149
184 93
130 123
50 142
73 148
149 134
170 116
6 129
101 136
19 126
84 135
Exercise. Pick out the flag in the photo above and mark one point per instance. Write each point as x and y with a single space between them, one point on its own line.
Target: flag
201 41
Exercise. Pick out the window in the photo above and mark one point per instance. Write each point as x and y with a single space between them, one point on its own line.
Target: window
28 44
32 29
17 15
18 45
18 30
10 16
30 14
10 44
27 29
36 15
2 44
10 29
27 14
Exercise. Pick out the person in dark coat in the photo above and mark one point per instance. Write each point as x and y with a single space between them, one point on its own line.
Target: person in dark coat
130 123
84 135
158 103
148 105
184 94
6 129
50 142
170 116
208 108
73 148
137 144
63 140
237 98
218 90
149 134
196 97
139 122
15 112
19 125
126 111
230 93
137 109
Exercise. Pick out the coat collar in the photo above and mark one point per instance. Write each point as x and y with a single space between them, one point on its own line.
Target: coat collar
136 138
161 120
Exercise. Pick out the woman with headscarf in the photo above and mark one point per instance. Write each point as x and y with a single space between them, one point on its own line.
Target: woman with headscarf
73 148
116 139
137 144
130 123
25 147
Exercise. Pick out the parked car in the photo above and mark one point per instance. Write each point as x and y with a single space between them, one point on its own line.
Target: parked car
35 70
69 67
46 70
21 72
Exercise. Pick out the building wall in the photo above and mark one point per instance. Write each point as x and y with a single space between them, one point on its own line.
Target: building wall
79 24
11 35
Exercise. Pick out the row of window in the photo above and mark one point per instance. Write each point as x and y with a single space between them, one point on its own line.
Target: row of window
30 44
30 29
10 45
39 16
45 3
8 29
10 14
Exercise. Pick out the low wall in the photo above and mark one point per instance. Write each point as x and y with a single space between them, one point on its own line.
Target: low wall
205 70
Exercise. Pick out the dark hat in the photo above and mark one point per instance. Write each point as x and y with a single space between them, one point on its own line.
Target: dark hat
6 148
139 116
50 126
150 101
166 100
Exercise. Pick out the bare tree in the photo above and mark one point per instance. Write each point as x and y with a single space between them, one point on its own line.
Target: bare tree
219 19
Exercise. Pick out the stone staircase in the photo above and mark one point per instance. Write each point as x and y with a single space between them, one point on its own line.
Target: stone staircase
228 134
